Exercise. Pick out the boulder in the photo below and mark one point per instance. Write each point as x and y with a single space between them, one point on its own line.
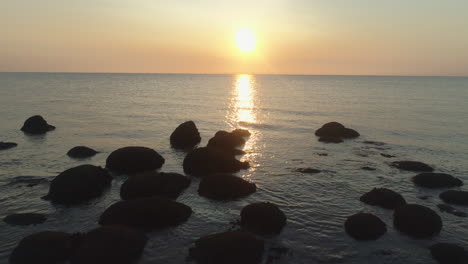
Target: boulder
81 152
455 197
44 247
78 184
226 141
336 130
185 136
202 161
383 197
327 139
146 213
241 132
25 219
262 218
417 221
447 253
412 166
222 186
151 183
130 160
232 247
308 170
7 145
36 125
364 226
436 180
110 244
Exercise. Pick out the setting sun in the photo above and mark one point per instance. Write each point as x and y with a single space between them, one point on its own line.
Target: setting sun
245 40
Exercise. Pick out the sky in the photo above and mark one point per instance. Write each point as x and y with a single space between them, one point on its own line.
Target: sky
338 37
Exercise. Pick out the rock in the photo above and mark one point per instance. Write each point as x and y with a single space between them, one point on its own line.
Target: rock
225 187
446 253
81 152
262 218
146 213
322 154
327 139
78 184
417 221
7 145
226 141
336 130
130 160
232 247
203 161
364 226
25 219
411 166
44 247
148 184
375 143
455 197
368 168
29 181
113 244
384 198
36 125
241 132
386 155
436 180
308 170
449 209
185 136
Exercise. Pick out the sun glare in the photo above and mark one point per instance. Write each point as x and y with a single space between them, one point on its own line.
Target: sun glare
245 40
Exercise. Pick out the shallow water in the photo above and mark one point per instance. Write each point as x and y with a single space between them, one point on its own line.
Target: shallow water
419 118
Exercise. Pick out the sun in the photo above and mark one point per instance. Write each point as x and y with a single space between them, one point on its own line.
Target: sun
245 40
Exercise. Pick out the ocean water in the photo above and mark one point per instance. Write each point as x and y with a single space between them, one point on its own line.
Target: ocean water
418 118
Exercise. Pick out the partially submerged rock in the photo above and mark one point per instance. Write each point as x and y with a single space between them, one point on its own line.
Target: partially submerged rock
203 161
25 219
364 226
226 141
36 125
225 187
81 152
130 160
7 145
185 136
387 155
417 221
241 132
412 166
334 132
455 197
445 208
44 247
148 184
78 184
447 253
436 180
232 247
368 168
308 170
327 139
29 181
262 218
383 197
146 213
110 244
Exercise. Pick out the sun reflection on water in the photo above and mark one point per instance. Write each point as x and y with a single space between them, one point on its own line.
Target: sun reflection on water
244 100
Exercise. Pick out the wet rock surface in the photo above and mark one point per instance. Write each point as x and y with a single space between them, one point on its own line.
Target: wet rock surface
436 180
412 166
308 170
203 161
262 218
335 132
36 125
7 145
185 136
25 219
455 197
225 187
383 197
81 152
417 221
132 159
364 226
447 253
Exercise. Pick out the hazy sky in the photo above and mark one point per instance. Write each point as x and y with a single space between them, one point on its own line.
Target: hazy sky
383 37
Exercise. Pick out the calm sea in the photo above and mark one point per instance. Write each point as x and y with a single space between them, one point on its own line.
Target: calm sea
419 118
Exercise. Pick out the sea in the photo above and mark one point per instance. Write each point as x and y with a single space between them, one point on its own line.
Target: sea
415 118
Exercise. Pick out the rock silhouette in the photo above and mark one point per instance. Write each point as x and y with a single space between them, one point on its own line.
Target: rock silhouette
7 145
335 132
412 166
36 125
25 219
436 180
417 221
262 218
81 152
130 160
185 136
78 184
447 253
241 132
227 142
308 170
455 197
383 197
364 226
203 161
225 187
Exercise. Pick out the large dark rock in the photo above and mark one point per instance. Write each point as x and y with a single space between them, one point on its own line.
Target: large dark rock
241 132
36 125
185 136
455 197
417 221
447 253
146 213
262 218
436 180
81 152
113 244
228 248
47 247
202 161
78 184
383 197
7 145
148 184
25 219
335 130
226 141
129 160
225 187
364 226
412 166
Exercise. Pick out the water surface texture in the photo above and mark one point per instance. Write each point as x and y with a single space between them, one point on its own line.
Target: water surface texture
418 118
